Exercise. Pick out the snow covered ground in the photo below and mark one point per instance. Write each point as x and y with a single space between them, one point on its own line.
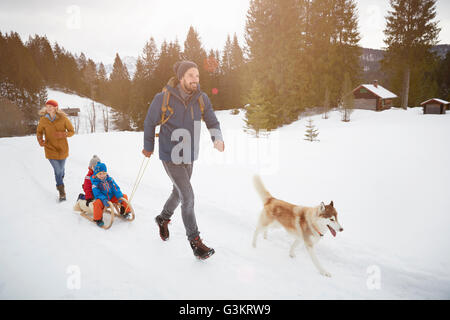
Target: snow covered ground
386 172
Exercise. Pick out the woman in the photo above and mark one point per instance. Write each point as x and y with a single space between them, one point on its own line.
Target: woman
56 127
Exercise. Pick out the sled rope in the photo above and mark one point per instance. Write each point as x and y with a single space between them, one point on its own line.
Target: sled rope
138 179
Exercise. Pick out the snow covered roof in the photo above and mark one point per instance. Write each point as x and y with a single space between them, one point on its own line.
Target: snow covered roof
440 101
383 93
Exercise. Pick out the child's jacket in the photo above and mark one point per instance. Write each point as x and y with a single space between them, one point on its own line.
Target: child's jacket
87 185
105 190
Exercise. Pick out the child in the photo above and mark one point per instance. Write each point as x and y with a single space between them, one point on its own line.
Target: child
85 199
105 189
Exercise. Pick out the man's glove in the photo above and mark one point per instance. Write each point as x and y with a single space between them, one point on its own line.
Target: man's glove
105 203
41 142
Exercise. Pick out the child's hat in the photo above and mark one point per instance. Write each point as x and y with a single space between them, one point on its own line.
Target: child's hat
99 167
93 162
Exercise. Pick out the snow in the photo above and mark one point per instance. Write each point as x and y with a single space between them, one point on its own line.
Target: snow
380 169
383 93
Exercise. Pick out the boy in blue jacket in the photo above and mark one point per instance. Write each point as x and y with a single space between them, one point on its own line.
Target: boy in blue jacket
105 189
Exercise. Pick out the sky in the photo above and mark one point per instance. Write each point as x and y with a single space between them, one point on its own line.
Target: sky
101 28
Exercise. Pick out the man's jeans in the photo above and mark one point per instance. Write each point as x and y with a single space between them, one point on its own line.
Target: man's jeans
182 191
58 168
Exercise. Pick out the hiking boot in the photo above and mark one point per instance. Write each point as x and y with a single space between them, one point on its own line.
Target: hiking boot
163 228
100 222
62 192
200 250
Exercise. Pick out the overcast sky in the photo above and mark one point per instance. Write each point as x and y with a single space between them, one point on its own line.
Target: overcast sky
101 28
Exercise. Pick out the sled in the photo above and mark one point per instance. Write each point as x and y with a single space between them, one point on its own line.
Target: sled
112 210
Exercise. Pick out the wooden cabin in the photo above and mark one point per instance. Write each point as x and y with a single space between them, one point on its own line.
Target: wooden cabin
373 97
71 112
435 106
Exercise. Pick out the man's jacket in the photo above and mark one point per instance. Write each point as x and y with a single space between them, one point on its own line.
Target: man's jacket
187 115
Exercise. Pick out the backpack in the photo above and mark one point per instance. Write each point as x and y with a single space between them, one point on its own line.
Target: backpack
165 107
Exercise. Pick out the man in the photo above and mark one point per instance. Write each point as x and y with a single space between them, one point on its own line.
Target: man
178 146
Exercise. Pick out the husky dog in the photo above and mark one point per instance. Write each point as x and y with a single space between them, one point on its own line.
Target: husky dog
305 223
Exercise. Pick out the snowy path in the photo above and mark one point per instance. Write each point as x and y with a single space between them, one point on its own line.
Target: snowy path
385 218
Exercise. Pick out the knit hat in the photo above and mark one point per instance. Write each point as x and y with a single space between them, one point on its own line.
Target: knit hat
99 167
95 159
181 67
52 103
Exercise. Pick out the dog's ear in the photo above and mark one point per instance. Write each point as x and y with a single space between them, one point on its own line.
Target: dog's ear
322 206
331 203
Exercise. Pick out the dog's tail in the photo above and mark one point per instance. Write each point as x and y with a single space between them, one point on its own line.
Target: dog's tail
262 191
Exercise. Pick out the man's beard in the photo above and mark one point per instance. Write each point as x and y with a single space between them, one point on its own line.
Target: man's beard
190 87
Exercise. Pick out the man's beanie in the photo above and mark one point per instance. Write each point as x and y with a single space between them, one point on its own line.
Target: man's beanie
52 103
95 159
99 167
181 67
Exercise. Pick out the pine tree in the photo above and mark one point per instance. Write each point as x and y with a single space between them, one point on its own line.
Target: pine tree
311 131
169 55
119 86
259 112
193 49
410 33
332 46
102 84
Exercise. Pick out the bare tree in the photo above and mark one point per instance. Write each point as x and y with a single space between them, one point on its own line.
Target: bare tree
326 104
76 123
105 113
92 117
348 99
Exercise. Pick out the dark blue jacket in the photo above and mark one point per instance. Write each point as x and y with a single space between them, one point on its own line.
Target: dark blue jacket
186 116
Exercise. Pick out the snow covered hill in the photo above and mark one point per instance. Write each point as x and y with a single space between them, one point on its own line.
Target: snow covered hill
386 172
67 100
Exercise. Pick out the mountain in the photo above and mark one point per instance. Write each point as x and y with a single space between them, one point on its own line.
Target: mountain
128 61
370 61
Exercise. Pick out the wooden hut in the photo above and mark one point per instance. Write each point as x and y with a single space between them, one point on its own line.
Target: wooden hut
373 97
71 112
434 106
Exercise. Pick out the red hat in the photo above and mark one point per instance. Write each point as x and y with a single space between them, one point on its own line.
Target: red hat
52 103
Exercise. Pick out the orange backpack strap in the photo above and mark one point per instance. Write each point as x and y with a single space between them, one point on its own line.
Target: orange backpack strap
164 108
201 103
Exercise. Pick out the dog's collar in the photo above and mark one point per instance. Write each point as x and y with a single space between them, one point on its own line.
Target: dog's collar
317 230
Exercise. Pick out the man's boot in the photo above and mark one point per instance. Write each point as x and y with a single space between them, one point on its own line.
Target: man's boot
200 250
62 192
163 227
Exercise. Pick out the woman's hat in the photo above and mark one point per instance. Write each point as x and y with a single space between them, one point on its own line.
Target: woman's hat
52 103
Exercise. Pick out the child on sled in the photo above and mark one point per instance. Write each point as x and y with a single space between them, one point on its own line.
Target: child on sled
85 199
105 189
